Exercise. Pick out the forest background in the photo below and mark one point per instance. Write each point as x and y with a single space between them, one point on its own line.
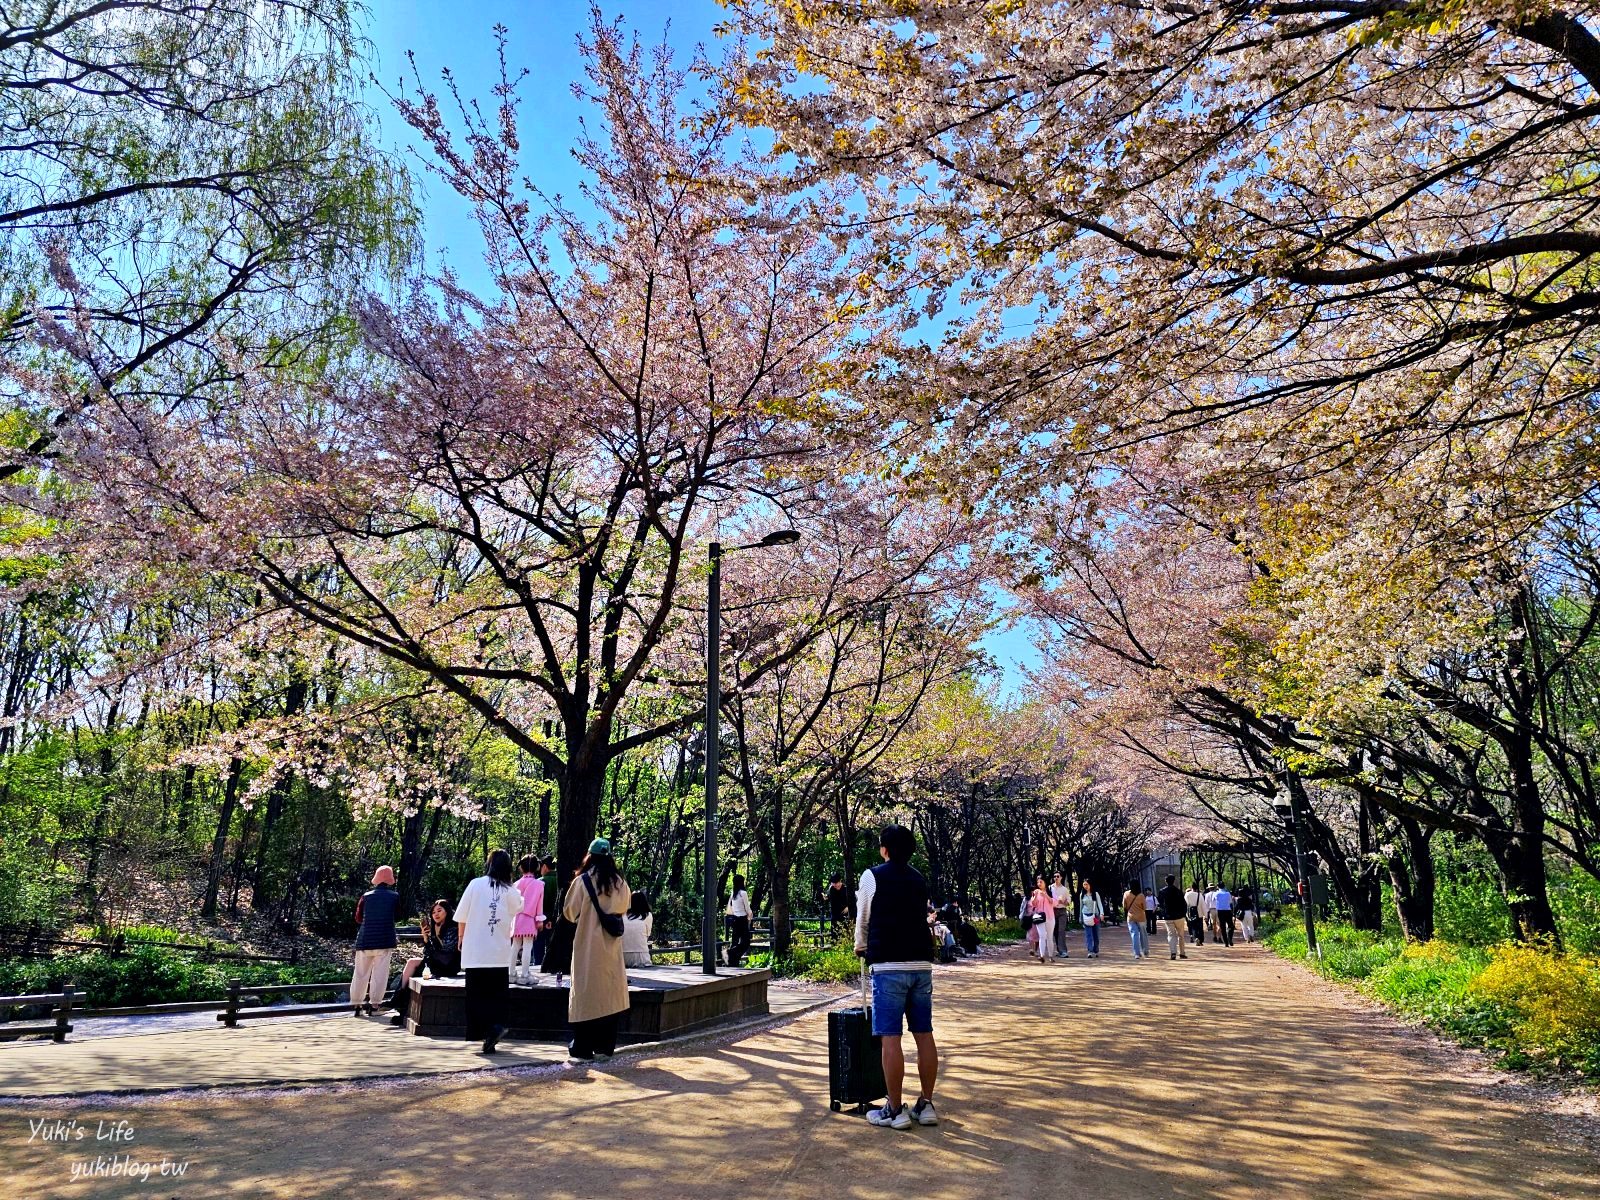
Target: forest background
1170 447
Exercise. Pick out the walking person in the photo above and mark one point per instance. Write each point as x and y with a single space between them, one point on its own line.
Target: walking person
375 942
441 955
550 900
1133 911
739 914
892 938
1222 904
1247 924
595 904
1174 916
1208 912
636 933
1092 914
1061 901
484 920
1197 928
1042 905
1150 911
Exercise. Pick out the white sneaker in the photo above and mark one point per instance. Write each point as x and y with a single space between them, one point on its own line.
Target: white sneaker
922 1112
887 1116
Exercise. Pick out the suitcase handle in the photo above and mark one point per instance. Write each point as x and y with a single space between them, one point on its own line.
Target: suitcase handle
866 998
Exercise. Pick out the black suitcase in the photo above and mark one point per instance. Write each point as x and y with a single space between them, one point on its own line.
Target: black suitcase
855 1060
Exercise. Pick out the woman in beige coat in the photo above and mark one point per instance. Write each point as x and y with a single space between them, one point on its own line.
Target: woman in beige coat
599 990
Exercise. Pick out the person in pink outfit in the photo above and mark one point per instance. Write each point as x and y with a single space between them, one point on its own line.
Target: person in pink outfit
525 930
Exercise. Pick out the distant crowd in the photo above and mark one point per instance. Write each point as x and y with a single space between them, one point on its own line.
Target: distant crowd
1185 917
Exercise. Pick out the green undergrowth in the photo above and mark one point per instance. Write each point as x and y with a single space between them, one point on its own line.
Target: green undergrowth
832 963
1532 1007
999 933
150 975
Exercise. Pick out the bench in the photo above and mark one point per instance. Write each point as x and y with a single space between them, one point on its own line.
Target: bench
235 1011
55 1030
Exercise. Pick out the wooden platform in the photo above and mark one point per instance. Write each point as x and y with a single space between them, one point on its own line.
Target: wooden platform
663 1002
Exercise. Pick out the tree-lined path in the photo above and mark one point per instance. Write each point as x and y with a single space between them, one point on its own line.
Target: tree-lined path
1227 1076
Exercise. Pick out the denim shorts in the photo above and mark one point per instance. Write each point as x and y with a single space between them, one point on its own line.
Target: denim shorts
897 994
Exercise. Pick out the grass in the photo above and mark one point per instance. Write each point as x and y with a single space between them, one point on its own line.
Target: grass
1532 1007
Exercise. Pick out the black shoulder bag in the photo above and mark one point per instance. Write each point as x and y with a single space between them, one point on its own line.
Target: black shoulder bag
610 922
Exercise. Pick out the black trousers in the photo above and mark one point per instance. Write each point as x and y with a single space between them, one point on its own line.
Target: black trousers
598 1036
1197 930
1150 922
488 993
1225 923
738 940
541 941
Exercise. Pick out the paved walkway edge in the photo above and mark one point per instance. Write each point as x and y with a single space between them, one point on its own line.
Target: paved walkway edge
630 1052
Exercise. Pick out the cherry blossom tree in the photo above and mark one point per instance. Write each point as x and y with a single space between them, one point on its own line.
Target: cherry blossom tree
506 503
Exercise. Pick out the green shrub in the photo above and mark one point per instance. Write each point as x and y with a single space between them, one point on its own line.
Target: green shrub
150 975
1533 1007
832 963
1001 932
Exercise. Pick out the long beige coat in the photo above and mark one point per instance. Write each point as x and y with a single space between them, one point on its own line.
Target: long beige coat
599 980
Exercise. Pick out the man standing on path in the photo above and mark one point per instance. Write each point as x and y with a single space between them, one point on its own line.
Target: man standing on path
892 936
1061 896
375 942
1174 912
1223 902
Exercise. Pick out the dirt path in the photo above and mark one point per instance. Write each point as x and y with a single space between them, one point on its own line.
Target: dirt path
1227 1076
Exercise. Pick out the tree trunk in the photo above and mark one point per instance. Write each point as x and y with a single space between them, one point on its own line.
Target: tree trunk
1412 877
219 843
781 869
581 791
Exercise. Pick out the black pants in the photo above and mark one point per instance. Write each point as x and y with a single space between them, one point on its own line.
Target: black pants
541 941
598 1036
488 992
1150 922
1197 928
738 940
1225 923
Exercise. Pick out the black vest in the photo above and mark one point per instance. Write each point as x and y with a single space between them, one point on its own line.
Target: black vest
379 907
897 926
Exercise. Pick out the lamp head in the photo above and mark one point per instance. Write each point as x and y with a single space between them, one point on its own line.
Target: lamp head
780 537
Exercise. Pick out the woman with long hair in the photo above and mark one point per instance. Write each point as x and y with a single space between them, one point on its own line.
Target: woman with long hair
595 902
636 933
484 920
739 914
1043 904
441 954
1093 915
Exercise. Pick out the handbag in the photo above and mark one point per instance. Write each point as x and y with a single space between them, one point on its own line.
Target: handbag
610 922
1037 919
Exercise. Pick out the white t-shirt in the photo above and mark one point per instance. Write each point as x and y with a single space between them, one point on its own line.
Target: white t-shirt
739 906
488 910
1060 893
1192 899
636 934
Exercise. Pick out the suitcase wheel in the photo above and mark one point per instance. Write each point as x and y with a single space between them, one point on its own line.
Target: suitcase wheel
861 1110
834 1104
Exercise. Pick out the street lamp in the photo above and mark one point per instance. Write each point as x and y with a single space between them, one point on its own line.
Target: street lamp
708 917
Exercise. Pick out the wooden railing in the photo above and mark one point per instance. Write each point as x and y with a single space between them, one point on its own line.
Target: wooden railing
55 1030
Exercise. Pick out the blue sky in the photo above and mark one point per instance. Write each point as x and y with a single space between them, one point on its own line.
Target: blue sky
542 38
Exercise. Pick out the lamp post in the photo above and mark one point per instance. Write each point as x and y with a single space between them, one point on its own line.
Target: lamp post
708 918
1301 860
